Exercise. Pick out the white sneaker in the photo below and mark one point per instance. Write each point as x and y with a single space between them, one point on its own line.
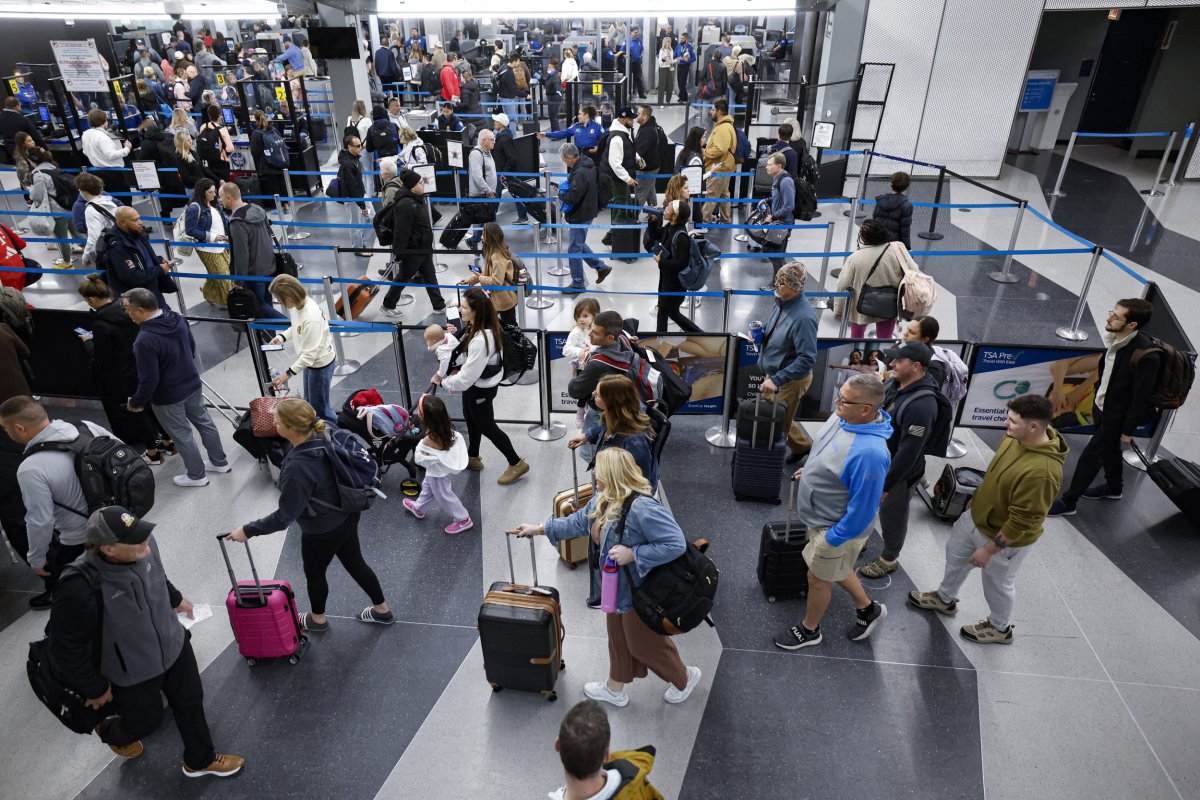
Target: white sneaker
741 237
184 480
599 691
396 313
211 467
674 695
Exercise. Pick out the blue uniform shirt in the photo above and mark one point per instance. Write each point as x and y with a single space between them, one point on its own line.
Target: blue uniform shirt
585 136
687 53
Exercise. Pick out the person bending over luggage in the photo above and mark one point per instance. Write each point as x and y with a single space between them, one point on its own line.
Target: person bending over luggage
651 537
591 771
476 369
125 668
315 356
673 255
308 496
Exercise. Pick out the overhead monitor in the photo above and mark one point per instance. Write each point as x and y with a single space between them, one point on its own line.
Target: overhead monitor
334 43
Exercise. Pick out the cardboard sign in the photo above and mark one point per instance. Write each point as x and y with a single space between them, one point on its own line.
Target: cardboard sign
428 176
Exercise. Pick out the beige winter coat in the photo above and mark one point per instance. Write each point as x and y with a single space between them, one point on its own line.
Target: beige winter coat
854 275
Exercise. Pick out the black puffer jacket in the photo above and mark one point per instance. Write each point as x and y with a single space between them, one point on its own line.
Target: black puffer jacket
894 212
411 228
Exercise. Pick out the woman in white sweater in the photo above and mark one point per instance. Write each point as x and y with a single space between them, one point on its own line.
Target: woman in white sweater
314 345
476 369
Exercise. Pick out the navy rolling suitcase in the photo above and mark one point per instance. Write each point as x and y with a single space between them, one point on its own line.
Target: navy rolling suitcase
760 449
521 189
521 633
1179 480
782 570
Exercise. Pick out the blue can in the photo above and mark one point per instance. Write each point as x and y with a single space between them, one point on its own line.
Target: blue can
756 332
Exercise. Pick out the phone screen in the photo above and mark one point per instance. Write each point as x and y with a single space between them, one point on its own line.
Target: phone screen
272 347
82 331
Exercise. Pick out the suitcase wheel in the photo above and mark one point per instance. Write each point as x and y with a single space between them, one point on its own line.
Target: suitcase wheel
294 658
251 661
771 598
777 500
562 665
550 696
496 688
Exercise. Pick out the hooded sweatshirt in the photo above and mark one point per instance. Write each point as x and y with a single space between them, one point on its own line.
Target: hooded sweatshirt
1018 488
843 478
306 475
251 248
165 350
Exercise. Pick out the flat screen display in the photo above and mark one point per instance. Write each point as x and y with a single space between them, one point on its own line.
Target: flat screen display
227 113
333 42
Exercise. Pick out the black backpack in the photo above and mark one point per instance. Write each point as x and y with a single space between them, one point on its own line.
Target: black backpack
65 193
385 225
110 472
66 703
809 171
243 303
352 130
677 596
937 439
384 136
519 354
1176 372
806 199
208 146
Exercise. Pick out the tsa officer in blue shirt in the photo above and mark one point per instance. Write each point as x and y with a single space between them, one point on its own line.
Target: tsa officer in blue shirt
586 133
25 92
685 57
635 48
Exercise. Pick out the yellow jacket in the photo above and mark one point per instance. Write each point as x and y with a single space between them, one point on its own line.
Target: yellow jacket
718 150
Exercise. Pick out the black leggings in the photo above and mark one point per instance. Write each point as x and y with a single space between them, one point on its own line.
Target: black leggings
481 421
668 308
318 551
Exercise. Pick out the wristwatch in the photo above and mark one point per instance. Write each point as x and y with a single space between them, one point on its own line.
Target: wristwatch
999 541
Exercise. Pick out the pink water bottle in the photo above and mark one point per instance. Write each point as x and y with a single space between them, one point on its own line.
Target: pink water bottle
608 587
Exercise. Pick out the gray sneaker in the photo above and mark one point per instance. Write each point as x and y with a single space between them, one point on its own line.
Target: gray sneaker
395 313
931 601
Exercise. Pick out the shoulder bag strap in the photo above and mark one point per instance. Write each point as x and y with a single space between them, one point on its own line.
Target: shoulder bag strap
874 266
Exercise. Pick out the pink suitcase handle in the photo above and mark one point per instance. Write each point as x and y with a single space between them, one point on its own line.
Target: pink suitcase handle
229 566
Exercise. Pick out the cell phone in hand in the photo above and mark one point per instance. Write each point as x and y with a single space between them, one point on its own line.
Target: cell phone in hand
267 347
83 331
657 248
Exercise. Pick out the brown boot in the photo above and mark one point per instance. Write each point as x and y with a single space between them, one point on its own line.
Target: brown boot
475 463
514 472
222 766
128 751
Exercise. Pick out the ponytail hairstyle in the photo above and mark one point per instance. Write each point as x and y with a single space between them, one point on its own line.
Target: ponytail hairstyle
435 421
298 415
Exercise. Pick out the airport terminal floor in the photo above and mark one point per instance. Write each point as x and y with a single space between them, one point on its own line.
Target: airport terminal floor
1098 697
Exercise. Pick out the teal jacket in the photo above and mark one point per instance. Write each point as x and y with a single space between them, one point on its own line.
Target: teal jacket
789 347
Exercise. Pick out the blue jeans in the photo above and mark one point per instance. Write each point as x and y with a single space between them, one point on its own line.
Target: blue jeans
262 290
316 390
577 243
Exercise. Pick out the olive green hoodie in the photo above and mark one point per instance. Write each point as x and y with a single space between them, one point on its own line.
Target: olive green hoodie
1020 484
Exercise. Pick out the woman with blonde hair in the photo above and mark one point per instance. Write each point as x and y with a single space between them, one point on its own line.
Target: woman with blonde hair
180 121
650 537
190 168
412 148
498 270
314 344
666 70
308 496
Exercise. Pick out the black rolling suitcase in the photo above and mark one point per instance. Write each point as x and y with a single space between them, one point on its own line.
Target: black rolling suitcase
521 189
1179 480
626 240
953 491
782 570
271 448
521 633
760 449
456 230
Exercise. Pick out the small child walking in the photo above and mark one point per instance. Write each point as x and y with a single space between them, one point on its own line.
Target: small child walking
578 344
443 453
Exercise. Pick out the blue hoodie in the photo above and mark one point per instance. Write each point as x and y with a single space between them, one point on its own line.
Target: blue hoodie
843 478
165 353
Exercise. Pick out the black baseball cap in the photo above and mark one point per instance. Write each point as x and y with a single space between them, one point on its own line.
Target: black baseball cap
627 112
913 351
116 525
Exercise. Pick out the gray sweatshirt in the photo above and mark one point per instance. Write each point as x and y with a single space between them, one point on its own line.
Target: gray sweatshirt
483 173
49 478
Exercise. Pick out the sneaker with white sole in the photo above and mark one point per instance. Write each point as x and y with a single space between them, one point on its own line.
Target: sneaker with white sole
984 632
211 467
395 313
932 601
1102 491
460 525
185 481
222 766
599 691
674 695
411 506
866 620
798 637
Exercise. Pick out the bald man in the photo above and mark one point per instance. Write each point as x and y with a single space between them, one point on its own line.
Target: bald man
130 260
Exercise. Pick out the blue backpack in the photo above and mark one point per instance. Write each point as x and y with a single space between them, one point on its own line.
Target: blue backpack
275 151
354 470
743 149
693 277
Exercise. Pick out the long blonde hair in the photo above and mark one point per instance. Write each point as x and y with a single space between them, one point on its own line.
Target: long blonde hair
179 119
298 415
183 146
621 476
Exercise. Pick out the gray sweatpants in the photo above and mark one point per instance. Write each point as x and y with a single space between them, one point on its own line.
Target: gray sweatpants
999 576
178 419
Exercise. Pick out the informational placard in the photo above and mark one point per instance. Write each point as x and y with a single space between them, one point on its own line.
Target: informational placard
281 94
698 358
695 178
454 154
408 73
16 89
145 173
428 173
1039 90
80 65
823 135
1067 376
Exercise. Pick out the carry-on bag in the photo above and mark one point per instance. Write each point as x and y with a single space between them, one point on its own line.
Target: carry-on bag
953 491
760 449
566 503
782 570
361 295
1179 480
263 615
262 415
453 233
521 189
521 633
263 448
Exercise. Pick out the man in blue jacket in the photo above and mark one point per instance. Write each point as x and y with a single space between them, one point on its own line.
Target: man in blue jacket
836 500
685 57
165 353
129 261
789 351
292 55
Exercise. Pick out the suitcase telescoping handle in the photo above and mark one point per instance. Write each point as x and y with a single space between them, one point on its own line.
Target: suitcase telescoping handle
754 427
1140 454
787 526
575 477
229 566
512 574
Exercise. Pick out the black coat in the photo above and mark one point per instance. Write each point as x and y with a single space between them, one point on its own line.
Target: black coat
159 148
114 369
894 212
349 177
645 143
468 97
1127 398
582 195
677 252
410 225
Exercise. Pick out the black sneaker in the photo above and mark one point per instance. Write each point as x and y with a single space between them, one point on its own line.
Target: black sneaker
1102 491
797 637
1061 508
41 602
593 602
866 620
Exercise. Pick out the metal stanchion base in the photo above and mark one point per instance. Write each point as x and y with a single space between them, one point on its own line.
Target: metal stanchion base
347 367
299 235
1000 276
439 267
1152 193
821 303
721 436
558 272
405 299
932 235
835 272
1131 458
1056 194
538 301
555 430
955 449
550 239
1070 334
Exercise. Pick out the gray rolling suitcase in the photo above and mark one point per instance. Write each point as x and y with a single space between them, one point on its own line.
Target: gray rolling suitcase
760 450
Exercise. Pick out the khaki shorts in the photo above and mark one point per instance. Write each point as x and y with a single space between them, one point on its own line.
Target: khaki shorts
831 563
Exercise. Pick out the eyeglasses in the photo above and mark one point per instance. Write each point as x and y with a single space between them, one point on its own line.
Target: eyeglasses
1114 314
841 401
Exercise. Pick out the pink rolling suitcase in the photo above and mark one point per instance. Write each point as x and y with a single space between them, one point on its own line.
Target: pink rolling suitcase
263 615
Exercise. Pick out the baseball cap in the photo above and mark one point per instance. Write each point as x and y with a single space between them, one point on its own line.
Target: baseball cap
913 351
627 112
501 118
116 525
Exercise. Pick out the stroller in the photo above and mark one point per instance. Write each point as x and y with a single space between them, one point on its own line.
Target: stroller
390 432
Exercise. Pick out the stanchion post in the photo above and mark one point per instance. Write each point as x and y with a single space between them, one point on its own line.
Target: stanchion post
402 365
547 430
559 271
1154 191
1062 171
723 435
853 212
166 228
282 220
539 299
845 314
551 215
438 266
1003 275
344 366
1073 333
346 309
291 195
932 233
823 302
1187 134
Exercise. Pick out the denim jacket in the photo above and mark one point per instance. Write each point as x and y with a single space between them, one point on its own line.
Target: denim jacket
198 220
650 531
